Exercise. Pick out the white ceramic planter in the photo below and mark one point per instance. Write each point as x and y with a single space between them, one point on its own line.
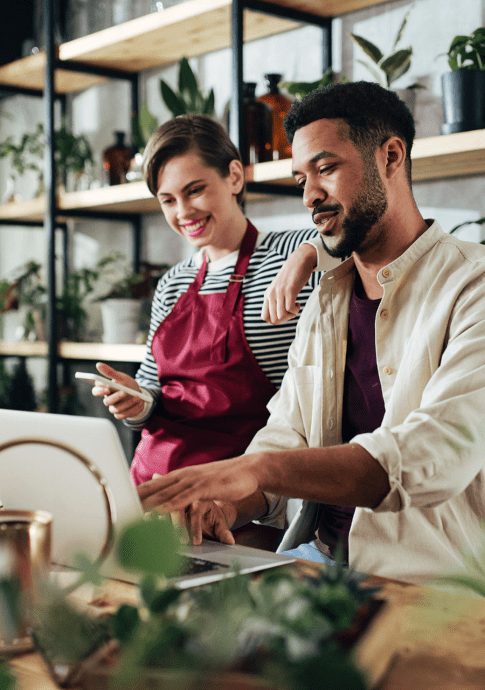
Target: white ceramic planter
120 320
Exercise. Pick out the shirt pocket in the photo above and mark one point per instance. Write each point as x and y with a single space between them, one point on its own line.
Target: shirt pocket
308 382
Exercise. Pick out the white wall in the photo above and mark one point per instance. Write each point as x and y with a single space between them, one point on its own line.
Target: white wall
297 54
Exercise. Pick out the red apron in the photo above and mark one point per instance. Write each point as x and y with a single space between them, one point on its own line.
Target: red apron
214 393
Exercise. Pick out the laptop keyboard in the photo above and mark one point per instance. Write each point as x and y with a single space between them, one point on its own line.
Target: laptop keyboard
190 565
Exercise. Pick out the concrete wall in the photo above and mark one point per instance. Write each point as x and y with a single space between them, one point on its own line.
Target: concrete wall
99 111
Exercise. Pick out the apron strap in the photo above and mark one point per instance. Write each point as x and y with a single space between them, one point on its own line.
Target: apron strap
218 347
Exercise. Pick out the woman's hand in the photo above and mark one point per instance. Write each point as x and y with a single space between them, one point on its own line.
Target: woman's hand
120 404
280 303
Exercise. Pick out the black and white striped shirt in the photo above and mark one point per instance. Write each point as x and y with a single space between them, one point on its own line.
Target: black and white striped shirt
268 343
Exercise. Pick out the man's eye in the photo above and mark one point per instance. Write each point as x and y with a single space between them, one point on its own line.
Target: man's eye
326 169
301 183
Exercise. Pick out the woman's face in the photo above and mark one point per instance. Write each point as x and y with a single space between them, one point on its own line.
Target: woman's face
200 205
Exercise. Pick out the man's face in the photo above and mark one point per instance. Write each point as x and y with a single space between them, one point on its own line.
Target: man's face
344 193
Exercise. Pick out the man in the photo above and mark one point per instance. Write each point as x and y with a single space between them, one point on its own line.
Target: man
389 356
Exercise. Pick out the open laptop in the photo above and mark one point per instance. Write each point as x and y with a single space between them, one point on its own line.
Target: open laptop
75 468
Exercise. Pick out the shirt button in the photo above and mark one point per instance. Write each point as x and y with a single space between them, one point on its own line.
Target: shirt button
384 314
387 370
331 373
330 424
387 273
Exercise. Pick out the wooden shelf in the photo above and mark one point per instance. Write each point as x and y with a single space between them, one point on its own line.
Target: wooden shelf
193 28
79 351
118 352
450 155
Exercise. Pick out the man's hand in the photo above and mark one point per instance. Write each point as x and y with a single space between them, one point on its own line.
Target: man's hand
280 303
212 519
225 480
120 404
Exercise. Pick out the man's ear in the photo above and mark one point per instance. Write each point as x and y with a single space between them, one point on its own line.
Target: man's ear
393 152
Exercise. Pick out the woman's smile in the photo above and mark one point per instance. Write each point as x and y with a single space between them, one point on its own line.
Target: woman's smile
196 227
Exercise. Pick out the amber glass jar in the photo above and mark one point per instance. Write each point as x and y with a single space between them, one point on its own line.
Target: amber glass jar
117 160
258 127
279 105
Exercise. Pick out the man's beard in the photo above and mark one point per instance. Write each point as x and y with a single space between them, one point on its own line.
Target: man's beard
368 207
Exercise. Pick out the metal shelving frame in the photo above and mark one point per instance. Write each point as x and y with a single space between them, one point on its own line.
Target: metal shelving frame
50 222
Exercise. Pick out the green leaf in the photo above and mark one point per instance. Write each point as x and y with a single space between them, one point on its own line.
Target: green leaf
369 48
187 80
396 64
209 105
378 75
7 680
480 221
402 27
162 600
150 546
171 100
124 622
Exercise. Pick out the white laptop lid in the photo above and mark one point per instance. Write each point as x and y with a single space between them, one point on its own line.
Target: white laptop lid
75 468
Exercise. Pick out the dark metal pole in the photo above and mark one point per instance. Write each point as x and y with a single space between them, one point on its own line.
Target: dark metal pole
326 47
237 131
137 230
50 212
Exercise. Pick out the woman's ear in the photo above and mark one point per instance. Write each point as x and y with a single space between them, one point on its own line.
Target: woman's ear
394 155
236 176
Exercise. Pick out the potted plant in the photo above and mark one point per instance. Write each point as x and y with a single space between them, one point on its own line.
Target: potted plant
387 69
73 156
280 630
26 291
26 155
463 89
122 303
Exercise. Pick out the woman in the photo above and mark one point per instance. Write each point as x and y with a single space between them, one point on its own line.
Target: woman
211 363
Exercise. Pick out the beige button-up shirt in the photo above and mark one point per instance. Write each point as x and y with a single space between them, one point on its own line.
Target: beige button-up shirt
430 346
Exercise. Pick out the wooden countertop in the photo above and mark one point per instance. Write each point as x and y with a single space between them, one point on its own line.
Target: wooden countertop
434 639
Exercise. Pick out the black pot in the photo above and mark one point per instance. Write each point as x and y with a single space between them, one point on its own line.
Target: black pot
463 100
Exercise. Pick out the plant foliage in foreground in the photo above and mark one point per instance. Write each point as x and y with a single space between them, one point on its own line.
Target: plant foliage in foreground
280 627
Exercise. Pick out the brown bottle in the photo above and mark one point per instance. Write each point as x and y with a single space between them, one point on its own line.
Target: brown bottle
258 126
117 160
279 105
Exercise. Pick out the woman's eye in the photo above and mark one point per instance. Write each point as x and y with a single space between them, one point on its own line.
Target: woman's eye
164 202
196 190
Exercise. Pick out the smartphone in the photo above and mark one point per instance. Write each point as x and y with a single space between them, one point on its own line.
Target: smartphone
96 378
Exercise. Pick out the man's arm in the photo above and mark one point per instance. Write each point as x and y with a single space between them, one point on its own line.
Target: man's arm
342 475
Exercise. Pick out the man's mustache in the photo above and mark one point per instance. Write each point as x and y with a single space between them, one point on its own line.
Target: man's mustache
325 208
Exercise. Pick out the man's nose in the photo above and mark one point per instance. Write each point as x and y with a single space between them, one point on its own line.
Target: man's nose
313 194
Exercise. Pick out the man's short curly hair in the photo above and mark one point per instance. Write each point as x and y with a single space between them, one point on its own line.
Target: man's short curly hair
372 113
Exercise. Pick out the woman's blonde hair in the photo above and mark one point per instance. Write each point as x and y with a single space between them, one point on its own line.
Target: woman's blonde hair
197 133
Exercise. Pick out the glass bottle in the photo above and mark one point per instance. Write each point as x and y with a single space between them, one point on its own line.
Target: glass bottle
117 160
258 128
279 105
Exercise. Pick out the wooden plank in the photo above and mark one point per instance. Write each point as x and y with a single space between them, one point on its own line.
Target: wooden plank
449 155
192 28
327 8
23 349
102 352
132 197
28 73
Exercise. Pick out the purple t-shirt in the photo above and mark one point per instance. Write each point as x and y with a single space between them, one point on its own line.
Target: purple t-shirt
363 406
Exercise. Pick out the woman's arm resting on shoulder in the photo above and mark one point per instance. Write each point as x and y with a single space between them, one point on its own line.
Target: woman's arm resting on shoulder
280 303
